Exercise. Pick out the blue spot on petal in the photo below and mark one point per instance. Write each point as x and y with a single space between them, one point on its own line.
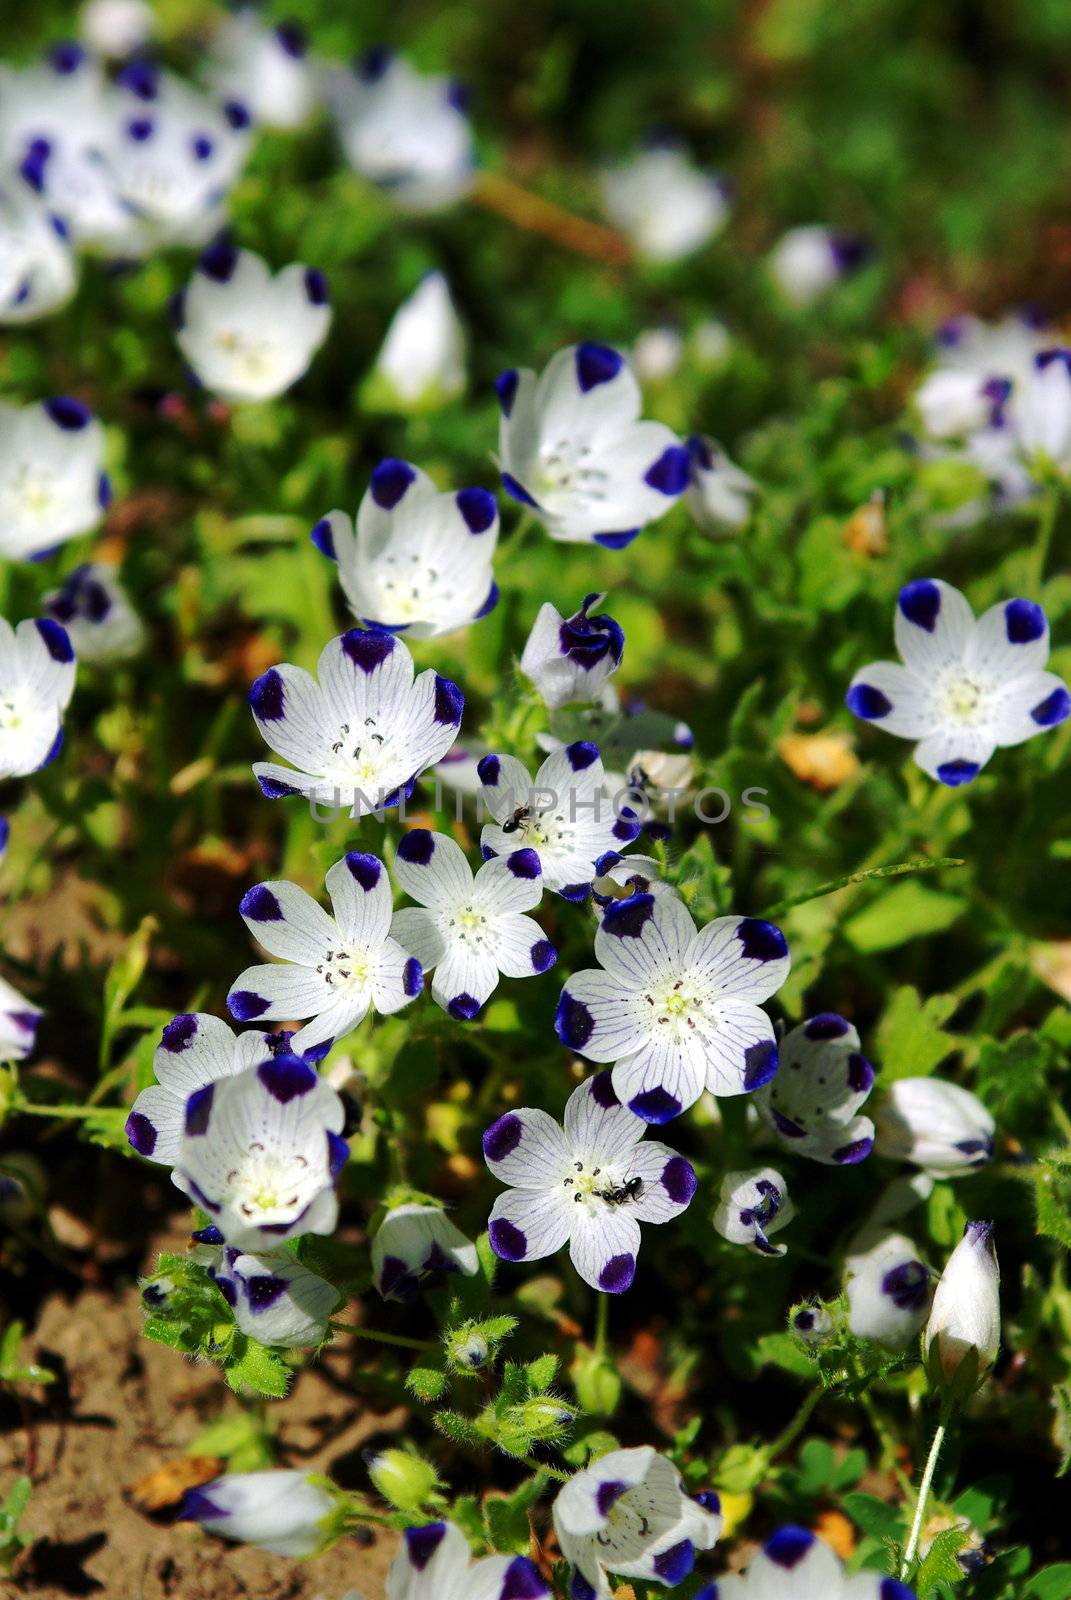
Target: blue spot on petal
1053 710
955 773
506 389
56 639
245 1005
389 482
863 700
596 364
478 507
573 1022
674 1564
507 1241
267 696
669 474
502 1137
920 603
261 905
141 1133
367 648
199 1110
417 846
618 1273
656 1105
761 1063
1024 621
463 1007
517 491
323 539
788 1546
615 541
422 1543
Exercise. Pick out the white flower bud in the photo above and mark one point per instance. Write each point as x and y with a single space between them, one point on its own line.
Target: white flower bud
570 659
888 1292
812 1324
936 1125
286 1513
752 1206
1045 415
966 1306
421 364
806 262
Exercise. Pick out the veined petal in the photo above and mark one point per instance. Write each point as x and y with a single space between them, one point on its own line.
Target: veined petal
288 922
644 937
291 712
954 755
433 1559
663 1077
433 869
463 980
934 625
361 898
521 947
742 1054
510 884
1030 704
278 993
604 1247
1009 639
598 1125
527 1224
599 1016
892 697
416 931
527 1149
669 1181
740 956
395 980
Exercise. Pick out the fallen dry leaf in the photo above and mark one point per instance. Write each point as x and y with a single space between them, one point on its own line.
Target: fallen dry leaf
163 1488
824 760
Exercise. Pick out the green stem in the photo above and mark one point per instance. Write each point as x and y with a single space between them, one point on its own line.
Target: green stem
924 1495
895 871
602 1322
400 1339
1050 510
547 1471
796 1426
28 1108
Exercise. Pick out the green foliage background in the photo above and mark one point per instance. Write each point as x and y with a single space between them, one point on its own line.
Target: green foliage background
942 133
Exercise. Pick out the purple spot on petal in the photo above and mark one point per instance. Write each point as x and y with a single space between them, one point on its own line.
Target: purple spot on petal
286 1077
826 1025
761 1062
955 773
608 1494
449 702
524 863
364 869
506 1240
199 1110
506 389
67 413
478 509
517 491
1053 710
596 364
581 755
669 474
180 1032
463 1007
674 1564
522 1580
656 1105
920 603
788 1546
267 696
422 1543
627 918
1024 621
261 905
55 638
860 1073
323 539
413 977
618 1273
488 769
502 1137
679 1180
543 955
389 482
849 1155
863 700
573 1022
316 288
602 1091
141 1133
367 648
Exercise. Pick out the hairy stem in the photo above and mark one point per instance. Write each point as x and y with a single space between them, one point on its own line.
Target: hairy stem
924 1495
402 1340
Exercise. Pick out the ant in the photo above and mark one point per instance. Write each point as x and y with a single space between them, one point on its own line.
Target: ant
632 1189
521 814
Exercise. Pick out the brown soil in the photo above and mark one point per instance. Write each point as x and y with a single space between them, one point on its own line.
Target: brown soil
121 1408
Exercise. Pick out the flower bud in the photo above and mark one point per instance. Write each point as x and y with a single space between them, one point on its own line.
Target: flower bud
719 493
570 659
468 1350
812 1324
806 262
402 1477
936 1125
421 364
751 1207
546 1416
888 1292
286 1513
1045 415
965 1316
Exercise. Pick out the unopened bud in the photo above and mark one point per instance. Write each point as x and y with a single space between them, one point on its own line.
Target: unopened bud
402 1477
964 1322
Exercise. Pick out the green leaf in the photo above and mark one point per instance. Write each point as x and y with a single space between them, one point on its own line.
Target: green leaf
458 1428
1051 1583
940 1565
782 1350
254 1368
541 1373
1052 1192
907 911
874 1516
911 1039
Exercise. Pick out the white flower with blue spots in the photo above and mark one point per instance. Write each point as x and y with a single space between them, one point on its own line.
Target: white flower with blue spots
263 67
629 1514
116 28
967 687
249 335
275 1299
469 927
195 1049
404 131
573 448
795 1565
172 155
261 1151
665 204
434 1563
52 481
361 735
751 1206
676 1009
588 1185
938 1126
807 262
413 1242
95 609
569 659
720 495
287 1513
421 363
564 815
18 1023
420 560
813 1103
36 683
888 1288
622 876
55 116
334 969
980 375
1043 419
37 268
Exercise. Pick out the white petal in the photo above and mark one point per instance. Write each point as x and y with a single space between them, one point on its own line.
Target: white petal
361 899
527 1224
909 713
598 1125
416 931
604 1247
663 1077
433 868
527 1149
744 957
289 923
934 626
432 1560
644 938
